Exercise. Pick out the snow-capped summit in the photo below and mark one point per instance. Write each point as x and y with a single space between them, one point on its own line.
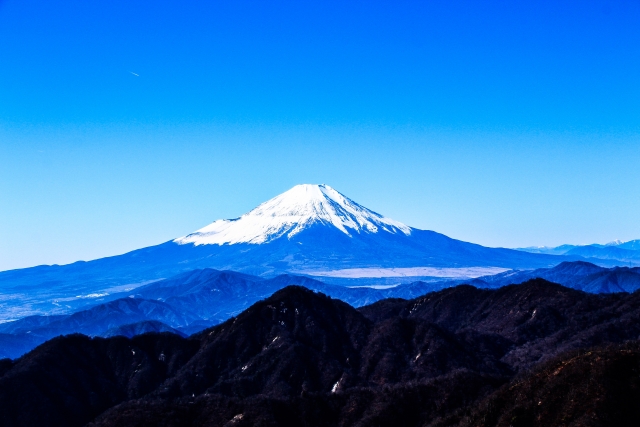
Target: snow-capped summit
290 213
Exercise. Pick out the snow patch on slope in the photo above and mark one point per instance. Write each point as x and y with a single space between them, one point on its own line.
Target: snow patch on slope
290 213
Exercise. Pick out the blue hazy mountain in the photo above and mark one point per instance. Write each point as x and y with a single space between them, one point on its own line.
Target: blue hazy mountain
310 228
633 245
188 303
132 329
623 252
578 275
193 301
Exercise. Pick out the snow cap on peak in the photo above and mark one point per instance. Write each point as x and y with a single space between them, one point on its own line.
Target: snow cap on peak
290 213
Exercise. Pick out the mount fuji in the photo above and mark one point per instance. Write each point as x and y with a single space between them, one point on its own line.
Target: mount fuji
293 212
309 229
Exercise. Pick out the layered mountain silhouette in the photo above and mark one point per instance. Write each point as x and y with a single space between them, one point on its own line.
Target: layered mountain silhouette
518 355
308 229
132 329
577 275
193 301
624 252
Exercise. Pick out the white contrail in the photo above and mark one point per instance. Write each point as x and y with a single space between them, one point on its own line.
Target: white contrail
137 75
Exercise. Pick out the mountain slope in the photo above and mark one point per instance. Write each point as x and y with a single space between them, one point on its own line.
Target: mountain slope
623 252
23 335
607 252
301 358
188 302
600 387
72 379
633 245
577 275
310 228
293 211
144 327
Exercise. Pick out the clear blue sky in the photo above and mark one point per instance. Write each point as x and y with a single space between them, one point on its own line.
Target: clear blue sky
124 124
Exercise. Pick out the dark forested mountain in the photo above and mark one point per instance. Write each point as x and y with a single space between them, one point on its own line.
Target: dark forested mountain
460 356
598 387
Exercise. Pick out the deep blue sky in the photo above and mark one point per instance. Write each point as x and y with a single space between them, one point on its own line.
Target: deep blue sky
501 123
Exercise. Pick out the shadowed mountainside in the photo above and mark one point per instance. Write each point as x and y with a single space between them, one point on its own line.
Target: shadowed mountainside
301 358
598 387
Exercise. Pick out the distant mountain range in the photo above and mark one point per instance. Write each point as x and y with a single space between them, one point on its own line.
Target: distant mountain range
579 275
624 252
310 229
192 301
535 354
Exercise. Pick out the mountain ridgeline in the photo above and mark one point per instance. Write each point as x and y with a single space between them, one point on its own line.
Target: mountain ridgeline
624 252
308 229
521 355
193 301
577 275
